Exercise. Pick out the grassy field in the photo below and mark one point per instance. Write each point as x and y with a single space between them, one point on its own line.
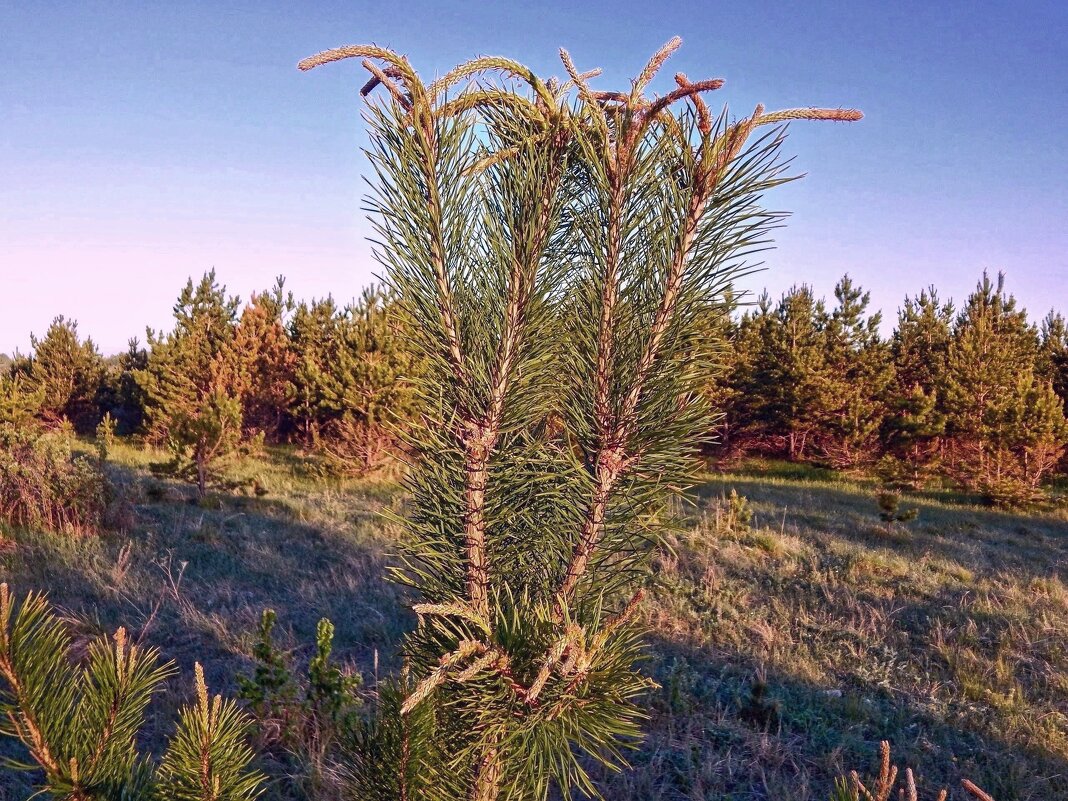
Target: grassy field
785 648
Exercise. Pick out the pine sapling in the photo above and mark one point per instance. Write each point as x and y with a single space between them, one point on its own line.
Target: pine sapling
555 253
890 511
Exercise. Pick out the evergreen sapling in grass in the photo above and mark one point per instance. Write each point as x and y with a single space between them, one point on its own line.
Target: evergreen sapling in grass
554 253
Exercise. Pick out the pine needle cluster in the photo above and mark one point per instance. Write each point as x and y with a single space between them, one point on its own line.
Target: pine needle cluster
556 253
79 725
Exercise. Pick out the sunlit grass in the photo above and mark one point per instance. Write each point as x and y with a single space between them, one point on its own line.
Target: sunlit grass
948 635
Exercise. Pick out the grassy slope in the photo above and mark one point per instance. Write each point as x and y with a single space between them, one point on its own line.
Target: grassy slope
948 636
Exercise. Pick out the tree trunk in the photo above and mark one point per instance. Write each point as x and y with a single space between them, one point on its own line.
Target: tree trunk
202 476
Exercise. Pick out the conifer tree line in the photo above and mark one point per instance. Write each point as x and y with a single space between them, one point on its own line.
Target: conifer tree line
975 395
326 376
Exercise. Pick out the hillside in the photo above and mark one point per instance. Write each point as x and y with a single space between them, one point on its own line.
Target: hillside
785 649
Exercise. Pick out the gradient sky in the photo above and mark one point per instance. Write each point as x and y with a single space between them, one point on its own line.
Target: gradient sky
142 143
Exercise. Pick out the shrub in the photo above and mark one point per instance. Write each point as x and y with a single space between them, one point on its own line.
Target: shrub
44 486
304 715
352 448
105 437
890 510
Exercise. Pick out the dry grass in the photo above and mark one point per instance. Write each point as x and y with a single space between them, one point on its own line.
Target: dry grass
948 637
786 649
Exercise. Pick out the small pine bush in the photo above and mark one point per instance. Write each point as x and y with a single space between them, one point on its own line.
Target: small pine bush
105 437
303 716
79 724
890 511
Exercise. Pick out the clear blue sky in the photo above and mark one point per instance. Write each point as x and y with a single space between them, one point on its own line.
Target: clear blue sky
141 143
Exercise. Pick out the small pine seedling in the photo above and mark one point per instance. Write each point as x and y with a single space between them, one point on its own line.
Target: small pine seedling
890 510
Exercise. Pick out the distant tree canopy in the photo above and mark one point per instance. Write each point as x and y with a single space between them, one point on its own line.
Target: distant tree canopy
65 374
976 395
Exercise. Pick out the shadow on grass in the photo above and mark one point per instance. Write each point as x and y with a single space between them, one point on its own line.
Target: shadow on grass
193 581
704 740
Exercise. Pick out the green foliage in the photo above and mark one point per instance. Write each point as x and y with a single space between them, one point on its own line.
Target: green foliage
783 385
741 511
890 510
191 381
66 374
307 717
271 691
1008 425
79 726
1052 365
265 363
859 375
353 377
976 396
43 486
105 436
121 396
555 263
332 693
18 402
326 698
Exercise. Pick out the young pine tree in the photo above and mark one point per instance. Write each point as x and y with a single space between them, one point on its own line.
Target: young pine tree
1052 365
78 725
126 398
370 393
789 389
67 373
18 402
265 363
192 379
916 422
554 251
1007 424
315 337
860 373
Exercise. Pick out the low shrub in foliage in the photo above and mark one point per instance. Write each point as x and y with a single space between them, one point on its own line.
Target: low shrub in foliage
45 486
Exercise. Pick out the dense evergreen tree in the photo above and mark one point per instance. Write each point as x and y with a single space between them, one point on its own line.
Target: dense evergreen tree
66 373
122 396
18 402
916 420
315 337
266 363
855 379
1005 422
351 377
371 381
785 382
1052 365
192 380
920 343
